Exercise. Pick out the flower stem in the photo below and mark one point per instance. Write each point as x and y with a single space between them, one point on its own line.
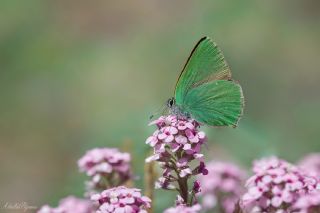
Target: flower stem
191 199
149 180
183 185
237 208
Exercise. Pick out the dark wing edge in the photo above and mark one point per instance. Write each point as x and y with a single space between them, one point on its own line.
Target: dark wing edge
190 55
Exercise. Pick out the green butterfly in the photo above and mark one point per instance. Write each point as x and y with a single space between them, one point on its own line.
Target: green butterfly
205 90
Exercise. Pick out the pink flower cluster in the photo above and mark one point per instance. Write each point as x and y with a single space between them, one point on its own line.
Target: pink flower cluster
184 209
309 203
176 143
69 205
222 187
121 200
107 167
275 186
311 164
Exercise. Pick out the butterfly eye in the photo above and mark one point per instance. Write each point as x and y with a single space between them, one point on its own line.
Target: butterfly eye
170 102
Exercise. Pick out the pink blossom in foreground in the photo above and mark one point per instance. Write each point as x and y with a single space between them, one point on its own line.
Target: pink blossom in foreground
275 186
311 164
69 205
107 167
309 203
184 209
222 187
121 200
176 143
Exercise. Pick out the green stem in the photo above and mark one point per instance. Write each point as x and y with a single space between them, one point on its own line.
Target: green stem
191 199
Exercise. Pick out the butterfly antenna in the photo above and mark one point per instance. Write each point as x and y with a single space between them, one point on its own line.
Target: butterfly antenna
165 110
160 111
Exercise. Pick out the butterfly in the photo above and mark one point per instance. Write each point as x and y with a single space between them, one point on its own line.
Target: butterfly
205 90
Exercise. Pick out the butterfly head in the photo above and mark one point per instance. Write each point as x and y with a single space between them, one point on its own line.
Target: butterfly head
171 102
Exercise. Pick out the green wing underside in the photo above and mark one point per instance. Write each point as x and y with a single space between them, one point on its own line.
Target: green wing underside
217 103
205 89
206 63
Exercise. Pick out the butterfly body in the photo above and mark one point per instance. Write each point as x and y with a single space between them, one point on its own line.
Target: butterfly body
176 109
205 90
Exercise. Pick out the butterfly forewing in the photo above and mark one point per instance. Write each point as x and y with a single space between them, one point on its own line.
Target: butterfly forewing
205 89
205 63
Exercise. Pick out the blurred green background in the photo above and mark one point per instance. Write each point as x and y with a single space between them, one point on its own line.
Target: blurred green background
82 74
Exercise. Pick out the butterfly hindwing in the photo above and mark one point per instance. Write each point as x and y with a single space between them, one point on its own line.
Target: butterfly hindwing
205 63
216 103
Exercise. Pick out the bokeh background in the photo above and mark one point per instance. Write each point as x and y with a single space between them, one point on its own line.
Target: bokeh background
81 74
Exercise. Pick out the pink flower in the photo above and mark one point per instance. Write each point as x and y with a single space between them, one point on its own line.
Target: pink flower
106 167
196 186
164 121
163 183
167 133
202 168
182 125
121 200
311 164
276 185
69 205
309 203
185 172
222 187
153 140
184 209
152 158
182 162
180 139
